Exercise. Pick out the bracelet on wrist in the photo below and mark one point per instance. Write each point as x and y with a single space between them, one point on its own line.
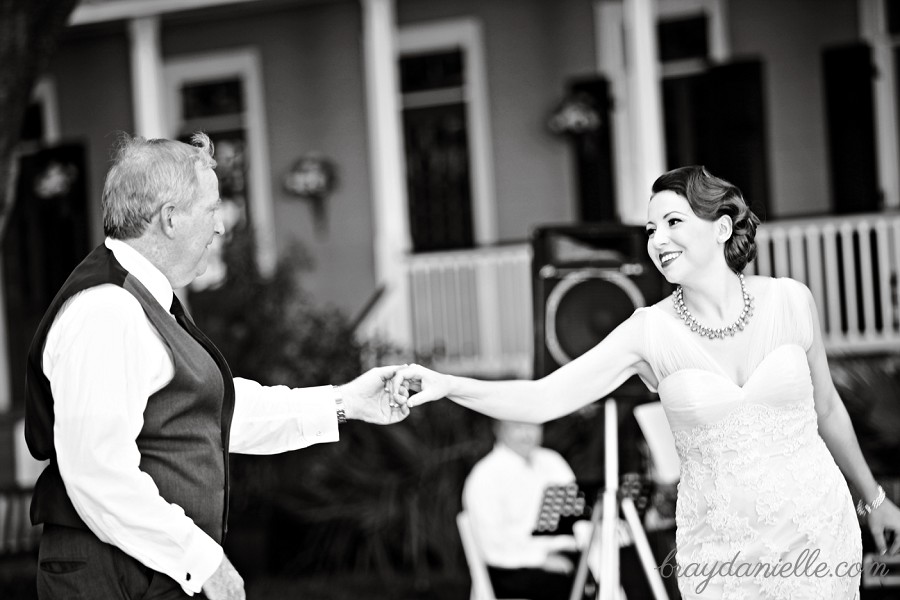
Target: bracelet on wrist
863 508
339 405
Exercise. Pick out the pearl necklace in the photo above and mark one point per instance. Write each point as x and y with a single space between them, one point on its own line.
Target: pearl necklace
709 332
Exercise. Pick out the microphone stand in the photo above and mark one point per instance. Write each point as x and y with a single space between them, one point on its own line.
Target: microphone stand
606 516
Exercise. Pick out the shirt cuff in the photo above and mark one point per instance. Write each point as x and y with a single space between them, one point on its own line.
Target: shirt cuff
201 559
319 423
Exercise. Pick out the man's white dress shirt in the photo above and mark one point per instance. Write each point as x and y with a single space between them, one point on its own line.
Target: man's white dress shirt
502 496
104 360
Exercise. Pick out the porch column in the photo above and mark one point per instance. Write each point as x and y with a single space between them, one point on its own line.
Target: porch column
610 48
391 243
146 77
873 29
635 79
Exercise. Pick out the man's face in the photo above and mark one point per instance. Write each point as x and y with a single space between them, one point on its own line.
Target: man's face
521 438
201 221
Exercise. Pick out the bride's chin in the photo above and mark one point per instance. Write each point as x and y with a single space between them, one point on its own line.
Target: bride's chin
668 277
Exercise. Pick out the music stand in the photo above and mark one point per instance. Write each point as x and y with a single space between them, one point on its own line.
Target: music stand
563 505
607 507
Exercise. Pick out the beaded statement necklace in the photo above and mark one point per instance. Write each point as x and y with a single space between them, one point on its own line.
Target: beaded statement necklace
719 332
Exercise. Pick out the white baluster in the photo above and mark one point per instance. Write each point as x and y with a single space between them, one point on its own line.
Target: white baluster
882 240
780 251
895 319
763 261
797 254
815 282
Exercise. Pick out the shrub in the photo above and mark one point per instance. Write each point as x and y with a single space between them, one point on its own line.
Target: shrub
383 500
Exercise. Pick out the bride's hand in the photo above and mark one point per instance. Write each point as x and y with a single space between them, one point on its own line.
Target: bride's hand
882 520
428 385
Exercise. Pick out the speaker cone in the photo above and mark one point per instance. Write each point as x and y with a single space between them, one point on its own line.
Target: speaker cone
584 307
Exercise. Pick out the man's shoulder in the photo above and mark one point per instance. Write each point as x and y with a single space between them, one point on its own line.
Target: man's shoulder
549 455
105 302
105 296
490 466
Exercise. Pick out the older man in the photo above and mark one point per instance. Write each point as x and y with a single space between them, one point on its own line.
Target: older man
137 411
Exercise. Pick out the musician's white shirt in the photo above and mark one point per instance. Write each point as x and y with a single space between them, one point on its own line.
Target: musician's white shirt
104 360
503 496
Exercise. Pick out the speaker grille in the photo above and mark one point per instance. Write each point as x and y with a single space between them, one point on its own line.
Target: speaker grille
584 307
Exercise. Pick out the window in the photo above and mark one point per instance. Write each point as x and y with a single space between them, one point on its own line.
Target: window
221 95
437 151
40 125
684 38
713 108
892 16
446 136
217 108
46 233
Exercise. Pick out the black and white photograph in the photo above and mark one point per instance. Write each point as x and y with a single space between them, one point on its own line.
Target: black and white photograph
449 299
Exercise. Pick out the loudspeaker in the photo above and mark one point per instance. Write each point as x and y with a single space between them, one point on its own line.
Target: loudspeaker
586 280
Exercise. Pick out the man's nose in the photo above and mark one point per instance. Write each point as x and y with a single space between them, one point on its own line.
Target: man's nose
220 226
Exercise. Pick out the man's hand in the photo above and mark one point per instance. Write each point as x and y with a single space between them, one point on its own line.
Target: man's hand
370 398
225 583
429 385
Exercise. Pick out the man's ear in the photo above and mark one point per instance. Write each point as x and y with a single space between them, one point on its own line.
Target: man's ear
168 219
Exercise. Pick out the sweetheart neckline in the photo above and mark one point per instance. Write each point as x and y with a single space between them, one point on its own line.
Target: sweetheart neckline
766 295
728 379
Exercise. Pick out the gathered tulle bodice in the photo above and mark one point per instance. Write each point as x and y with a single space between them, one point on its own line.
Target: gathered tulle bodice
757 481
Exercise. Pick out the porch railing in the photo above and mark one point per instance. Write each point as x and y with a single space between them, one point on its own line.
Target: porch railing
851 265
471 310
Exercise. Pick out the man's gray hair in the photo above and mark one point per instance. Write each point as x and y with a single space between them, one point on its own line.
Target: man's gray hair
147 174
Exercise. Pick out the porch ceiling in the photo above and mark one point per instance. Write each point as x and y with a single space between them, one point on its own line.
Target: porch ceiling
101 11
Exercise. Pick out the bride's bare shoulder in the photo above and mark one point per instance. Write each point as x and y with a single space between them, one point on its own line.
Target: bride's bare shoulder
665 305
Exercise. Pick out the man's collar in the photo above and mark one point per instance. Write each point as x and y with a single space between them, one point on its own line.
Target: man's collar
511 454
141 268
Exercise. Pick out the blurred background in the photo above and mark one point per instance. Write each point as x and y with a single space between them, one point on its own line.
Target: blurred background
456 182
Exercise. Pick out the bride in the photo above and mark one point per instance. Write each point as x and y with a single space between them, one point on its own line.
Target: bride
764 510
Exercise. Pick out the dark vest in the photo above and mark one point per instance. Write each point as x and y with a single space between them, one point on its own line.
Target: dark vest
184 440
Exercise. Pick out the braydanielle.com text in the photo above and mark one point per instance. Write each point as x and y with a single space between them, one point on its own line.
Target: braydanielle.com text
807 565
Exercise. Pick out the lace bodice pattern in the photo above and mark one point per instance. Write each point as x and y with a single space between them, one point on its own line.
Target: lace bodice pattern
758 486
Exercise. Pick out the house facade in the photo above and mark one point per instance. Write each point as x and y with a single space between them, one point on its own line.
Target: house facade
413 146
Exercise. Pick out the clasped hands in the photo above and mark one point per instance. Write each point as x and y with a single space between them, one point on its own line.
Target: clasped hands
384 395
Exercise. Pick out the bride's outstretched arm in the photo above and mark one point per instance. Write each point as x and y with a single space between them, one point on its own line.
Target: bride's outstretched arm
590 377
836 429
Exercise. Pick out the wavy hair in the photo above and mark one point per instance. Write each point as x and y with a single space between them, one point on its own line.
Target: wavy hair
710 198
145 175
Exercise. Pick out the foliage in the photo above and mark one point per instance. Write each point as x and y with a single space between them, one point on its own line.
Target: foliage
869 386
29 33
270 330
383 500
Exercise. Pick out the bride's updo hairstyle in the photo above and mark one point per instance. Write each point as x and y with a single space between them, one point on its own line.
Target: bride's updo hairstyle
710 198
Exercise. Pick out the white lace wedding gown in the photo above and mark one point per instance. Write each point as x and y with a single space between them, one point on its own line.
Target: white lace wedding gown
757 481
